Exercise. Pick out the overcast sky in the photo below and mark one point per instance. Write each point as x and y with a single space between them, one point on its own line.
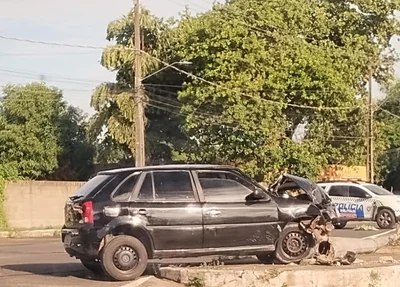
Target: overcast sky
77 22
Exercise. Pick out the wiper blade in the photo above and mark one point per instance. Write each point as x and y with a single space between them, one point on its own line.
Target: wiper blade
73 197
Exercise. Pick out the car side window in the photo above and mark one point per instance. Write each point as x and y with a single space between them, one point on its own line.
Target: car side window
146 190
126 188
356 192
167 186
339 190
223 186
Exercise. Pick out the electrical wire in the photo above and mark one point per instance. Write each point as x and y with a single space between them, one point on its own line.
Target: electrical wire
251 97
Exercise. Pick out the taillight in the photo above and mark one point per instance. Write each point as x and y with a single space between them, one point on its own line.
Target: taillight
87 212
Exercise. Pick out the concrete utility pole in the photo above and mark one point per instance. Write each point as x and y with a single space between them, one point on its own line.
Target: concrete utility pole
370 149
140 159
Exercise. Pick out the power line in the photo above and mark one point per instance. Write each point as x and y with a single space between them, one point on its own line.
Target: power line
267 100
389 112
61 44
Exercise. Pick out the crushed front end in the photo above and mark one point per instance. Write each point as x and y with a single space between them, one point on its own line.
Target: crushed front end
306 215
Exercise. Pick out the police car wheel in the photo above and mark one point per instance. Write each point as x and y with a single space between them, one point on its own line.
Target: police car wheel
340 224
385 219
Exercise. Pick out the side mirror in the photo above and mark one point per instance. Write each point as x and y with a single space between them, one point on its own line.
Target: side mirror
367 195
259 194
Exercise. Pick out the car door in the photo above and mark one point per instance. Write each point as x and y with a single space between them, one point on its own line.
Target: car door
361 202
350 201
229 220
169 202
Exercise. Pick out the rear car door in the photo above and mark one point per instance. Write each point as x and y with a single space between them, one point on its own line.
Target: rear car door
361 202
169 202
349 207
230 220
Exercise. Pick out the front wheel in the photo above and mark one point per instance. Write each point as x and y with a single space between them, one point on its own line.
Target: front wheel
124 258
266 258
293 245
385 219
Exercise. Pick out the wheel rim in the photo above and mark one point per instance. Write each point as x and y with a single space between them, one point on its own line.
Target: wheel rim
385 219
125 258
294 244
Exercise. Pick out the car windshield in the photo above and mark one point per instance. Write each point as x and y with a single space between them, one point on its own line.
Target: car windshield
377 189
91 185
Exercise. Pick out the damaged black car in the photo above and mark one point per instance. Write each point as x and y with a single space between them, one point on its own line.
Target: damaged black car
121 218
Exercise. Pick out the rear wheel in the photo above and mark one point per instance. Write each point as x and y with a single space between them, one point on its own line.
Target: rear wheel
385 219
340 224
124 258
93 265
293 244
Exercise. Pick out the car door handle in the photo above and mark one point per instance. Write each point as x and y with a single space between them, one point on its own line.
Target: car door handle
214 212
142 211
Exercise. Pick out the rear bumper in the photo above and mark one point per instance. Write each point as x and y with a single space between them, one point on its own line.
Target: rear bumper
81 243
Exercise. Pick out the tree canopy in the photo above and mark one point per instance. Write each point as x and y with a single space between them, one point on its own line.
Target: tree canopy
41 136
265 72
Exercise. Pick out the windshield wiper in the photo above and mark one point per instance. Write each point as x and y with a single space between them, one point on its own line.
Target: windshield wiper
73 197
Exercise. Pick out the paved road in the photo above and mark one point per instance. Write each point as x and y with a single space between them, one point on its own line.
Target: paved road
43 262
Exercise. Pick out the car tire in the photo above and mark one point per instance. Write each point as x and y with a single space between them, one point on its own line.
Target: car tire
293 245
93 266
266 258
385 219
124 258
340 224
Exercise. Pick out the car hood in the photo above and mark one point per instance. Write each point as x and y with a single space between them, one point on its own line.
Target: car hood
314 192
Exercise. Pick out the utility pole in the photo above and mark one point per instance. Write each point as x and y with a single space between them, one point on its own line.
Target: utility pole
370 149
140 159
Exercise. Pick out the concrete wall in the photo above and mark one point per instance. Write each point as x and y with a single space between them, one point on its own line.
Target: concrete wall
37 204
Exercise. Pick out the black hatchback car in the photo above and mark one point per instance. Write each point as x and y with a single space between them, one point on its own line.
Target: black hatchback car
121 218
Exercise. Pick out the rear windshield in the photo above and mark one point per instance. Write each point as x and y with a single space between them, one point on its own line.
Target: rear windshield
91 185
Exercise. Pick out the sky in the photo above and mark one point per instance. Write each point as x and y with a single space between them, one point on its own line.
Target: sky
78 22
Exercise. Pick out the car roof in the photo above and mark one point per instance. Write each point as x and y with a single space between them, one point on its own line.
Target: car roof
344 181
169 166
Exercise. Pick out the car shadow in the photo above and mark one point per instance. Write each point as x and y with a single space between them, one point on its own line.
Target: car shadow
76 270
52 269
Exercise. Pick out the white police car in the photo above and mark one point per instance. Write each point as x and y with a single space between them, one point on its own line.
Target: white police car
360 201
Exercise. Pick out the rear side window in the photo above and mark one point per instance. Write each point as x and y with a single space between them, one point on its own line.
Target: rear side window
124 191
167 186
339 190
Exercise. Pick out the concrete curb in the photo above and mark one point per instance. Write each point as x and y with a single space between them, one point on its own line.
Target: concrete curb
30 233
387 276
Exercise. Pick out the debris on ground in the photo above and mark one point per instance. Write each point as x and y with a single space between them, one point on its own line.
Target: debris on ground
365 227
387 259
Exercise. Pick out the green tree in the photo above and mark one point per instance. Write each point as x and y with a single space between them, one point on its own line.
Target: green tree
387 118
269 59
113 102
76 157
41 136
28 136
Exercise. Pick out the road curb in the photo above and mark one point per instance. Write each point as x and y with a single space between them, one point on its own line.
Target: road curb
387 276
30 233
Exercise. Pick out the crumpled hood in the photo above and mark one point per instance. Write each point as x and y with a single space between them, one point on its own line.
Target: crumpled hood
315 193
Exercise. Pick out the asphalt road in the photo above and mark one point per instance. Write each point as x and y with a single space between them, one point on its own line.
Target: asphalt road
43 262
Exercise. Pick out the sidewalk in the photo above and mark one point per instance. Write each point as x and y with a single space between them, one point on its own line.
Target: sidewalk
30 233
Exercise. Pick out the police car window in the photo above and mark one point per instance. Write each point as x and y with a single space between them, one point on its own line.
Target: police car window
339 190
355 191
